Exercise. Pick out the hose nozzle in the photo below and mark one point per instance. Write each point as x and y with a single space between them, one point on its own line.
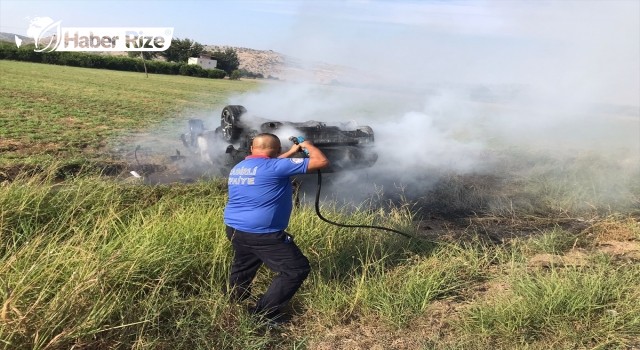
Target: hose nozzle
298 140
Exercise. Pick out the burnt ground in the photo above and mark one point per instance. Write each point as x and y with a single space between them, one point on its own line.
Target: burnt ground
444 207
448 207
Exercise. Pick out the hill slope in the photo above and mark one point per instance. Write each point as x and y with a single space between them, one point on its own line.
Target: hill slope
272 63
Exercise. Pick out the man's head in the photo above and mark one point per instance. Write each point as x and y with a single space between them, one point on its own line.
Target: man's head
266 144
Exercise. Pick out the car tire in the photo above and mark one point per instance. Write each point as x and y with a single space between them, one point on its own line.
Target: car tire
230 122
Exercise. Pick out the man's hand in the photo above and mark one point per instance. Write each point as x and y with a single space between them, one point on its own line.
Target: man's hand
317 159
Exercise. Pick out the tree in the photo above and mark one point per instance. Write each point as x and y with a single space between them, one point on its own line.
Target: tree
227 60
181 49
145 55
235 75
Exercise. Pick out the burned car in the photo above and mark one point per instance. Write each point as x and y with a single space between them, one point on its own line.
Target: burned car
347 145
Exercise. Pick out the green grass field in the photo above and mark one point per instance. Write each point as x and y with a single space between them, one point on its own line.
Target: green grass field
56 112
96 262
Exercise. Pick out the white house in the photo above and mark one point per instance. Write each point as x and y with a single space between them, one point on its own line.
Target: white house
203 61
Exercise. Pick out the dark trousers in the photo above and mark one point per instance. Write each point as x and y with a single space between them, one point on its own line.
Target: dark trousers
276 250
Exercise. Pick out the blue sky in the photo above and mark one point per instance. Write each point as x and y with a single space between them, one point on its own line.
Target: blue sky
564 44
255 24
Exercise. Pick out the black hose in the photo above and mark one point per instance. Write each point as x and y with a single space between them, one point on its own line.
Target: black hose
319 188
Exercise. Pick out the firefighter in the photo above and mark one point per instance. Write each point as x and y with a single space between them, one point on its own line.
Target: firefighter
256 216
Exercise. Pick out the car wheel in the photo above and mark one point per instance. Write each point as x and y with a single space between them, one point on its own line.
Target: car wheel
230 122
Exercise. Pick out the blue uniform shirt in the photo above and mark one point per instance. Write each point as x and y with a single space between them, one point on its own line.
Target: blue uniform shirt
260 193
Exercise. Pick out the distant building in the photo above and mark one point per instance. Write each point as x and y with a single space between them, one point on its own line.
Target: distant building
203 61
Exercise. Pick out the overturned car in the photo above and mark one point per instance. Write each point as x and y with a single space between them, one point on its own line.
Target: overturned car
347 145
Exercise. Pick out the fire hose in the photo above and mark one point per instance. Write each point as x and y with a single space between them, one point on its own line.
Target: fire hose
298 140
317 205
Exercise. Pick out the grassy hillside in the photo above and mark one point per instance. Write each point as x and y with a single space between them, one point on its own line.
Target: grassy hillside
104 263
55 112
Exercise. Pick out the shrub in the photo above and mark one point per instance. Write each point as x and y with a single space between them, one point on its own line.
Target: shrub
247 74
190 70
216 73
26 53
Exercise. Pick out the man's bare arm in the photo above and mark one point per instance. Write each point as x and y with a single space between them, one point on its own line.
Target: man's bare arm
294 149
317 159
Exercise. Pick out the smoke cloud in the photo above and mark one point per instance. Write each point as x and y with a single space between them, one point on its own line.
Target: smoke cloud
454 88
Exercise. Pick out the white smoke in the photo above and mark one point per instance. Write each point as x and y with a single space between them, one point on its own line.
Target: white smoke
448 86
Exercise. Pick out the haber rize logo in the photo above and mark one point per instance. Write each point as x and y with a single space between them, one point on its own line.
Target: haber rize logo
49 35
39 28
